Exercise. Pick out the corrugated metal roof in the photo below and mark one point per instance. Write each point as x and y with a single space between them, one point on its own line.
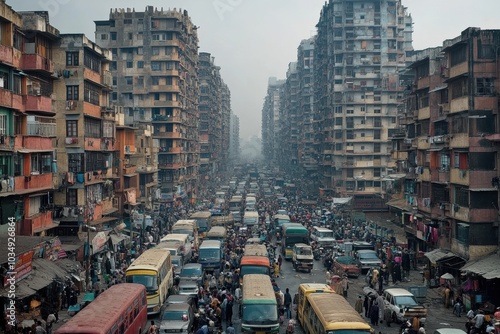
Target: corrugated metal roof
438 254
488 267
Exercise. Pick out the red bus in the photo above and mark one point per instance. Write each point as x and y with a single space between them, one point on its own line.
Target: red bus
121 309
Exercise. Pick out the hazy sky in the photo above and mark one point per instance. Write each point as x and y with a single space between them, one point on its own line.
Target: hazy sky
252 40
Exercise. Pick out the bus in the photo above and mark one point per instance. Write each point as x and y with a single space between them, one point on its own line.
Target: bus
236 203
184 240
259 306
293 233
226 221
203 222
256 250
279 220
330 313
210 254
304 290
120 309
153 269
251 218
252 264
217 233
187 226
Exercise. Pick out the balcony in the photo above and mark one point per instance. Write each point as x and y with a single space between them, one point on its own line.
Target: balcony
459 176
6 55
107 79
41 129
424 113
165 88
33 183
425 176
108 144
169 165
69 141
173 135
481 179
459 104
441 175
38 103
34 143
37 223
423 143
459 140
93 144
164 150
129 169
166 119
34 62
171 104
472 215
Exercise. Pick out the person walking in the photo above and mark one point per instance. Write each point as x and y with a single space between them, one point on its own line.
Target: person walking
345 286
359 305
374 314
288 303
276 269
153 329
280 261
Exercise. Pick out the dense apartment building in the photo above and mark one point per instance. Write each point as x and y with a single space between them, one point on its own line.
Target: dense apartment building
271 121
359 48
89 149
450 149
155 79
289 119
234 139
214 107
308 157
226 127
27 123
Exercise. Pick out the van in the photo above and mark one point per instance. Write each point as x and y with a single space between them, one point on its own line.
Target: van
184 240
403 305
323 237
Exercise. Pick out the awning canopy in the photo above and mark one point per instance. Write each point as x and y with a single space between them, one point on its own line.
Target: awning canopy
401 204
43 273
488 267
116 239
102 220
438 254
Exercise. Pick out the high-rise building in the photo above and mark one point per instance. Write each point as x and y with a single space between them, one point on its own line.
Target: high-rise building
88 152
450 148
27 123
271 121
234 139
308 157
359 50
155 79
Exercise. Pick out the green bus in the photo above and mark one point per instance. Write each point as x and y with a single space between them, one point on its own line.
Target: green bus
259 306
293 233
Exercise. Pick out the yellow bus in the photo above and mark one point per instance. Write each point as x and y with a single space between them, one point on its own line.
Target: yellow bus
304 290
329 313
153 269
259 305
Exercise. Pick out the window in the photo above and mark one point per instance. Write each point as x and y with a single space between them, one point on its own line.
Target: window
92 94
459 55
485 86
72 128
3 125
18 164
72 59
462 196
155 66
127 21
92 128
34 205
94 161
104 36
91 61
155 50
130 64
140 64
140 81
75 162
41 163
113 36
72 197
72 93
128 80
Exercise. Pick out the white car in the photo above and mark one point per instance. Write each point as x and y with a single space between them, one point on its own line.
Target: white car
403 305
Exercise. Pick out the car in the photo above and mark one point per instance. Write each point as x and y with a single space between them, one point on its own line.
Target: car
282 212
177 318
188 287
367 259
193 272
346 265
403 305
179 299
447 330
177 263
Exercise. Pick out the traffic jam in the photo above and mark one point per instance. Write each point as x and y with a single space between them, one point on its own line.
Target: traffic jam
260 255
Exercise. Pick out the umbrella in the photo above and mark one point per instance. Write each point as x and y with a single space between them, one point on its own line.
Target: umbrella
447 276
370 292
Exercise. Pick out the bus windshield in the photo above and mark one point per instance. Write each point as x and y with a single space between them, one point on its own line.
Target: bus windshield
296 239
209 254
202 223
257 314
182 231
247 269
325 234
149 281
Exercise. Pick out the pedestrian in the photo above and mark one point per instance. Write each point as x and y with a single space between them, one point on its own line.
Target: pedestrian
374 314
288 304
387 316
359 305
229 308
276 269
280 261
381 306
366 305
39 328
153 329
230 329
457 308
345 286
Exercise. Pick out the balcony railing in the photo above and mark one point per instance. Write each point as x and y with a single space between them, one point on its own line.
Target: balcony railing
41 129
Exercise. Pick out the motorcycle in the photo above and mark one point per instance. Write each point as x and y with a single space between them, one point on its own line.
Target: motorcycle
318 253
